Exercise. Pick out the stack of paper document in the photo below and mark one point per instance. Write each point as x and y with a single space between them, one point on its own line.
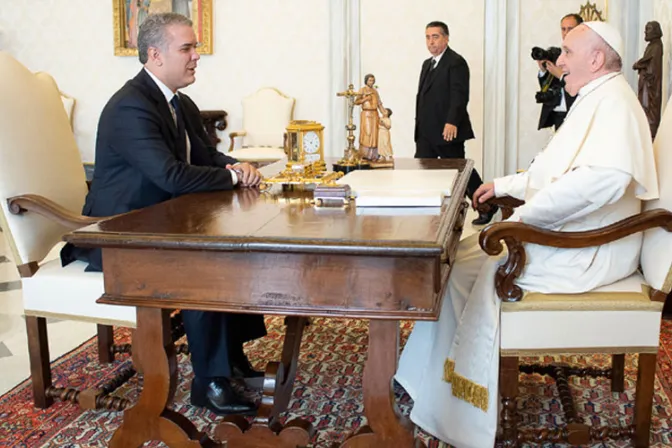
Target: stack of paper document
400 188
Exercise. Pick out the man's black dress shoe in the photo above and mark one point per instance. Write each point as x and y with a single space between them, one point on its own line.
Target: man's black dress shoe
217 395
485 217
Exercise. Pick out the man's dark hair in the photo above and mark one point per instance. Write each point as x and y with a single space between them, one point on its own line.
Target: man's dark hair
578 18
152 32
437 24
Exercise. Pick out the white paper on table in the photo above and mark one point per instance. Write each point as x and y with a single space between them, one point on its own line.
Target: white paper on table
398 211
400 188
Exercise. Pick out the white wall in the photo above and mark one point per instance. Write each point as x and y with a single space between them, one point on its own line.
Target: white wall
662 12
393 49
280 43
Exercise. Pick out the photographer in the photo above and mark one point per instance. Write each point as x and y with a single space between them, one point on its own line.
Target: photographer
553 97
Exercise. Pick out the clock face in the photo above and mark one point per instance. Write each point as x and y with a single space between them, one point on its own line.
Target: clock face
311 142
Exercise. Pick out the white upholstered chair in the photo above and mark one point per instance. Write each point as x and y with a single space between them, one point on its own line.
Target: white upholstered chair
620 318
42 190
266 114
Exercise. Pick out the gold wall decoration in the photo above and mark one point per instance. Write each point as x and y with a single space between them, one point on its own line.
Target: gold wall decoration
590 13
128 14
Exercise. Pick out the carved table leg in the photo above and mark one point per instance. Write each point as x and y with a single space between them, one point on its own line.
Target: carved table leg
387 427
149 419
266 430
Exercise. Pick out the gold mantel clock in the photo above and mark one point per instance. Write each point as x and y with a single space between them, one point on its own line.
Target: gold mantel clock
305 142
304 146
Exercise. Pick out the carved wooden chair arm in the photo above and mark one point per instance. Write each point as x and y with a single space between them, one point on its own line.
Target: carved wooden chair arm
514 234
505 203
233 135
49 209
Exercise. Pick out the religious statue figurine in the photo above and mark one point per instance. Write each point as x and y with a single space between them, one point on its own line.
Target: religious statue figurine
650 68
369 99
384 140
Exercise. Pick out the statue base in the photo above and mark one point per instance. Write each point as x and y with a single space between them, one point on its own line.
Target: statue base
345 167
382 164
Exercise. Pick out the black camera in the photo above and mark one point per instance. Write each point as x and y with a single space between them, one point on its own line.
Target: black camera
552 54
552 96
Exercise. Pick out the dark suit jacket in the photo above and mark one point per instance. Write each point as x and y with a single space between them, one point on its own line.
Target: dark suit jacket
443 95
546 117
140 161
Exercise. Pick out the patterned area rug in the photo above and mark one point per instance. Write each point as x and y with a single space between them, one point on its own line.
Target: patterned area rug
327 391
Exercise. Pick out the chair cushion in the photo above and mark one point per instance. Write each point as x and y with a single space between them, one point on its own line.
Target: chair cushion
631 293
257 154
617 318
71 293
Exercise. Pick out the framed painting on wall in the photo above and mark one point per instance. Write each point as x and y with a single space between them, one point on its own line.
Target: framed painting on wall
129 14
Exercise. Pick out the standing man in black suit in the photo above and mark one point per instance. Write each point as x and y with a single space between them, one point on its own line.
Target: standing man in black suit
442 122
151 147
553 112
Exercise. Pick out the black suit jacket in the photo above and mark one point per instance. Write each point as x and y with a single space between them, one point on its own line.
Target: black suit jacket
140 161
443 95
546 117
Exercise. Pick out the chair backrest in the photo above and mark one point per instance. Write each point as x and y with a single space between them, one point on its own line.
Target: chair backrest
656 257
38 155
266 114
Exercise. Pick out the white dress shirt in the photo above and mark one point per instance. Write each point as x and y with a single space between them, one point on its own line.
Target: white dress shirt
437 59
562 107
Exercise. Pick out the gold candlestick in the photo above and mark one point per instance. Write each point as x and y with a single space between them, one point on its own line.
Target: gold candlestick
351 159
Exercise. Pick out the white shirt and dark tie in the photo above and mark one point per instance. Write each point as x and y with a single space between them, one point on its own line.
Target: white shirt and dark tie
436 59
173 101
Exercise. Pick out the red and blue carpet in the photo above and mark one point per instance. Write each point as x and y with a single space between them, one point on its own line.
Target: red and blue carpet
327 391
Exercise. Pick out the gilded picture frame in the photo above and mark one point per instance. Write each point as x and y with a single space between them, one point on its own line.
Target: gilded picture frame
128 14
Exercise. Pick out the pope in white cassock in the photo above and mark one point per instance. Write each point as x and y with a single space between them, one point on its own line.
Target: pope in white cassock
595 171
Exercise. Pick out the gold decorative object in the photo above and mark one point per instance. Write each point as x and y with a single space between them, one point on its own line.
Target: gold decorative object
127 13
351 159
590 13
305 142
304 146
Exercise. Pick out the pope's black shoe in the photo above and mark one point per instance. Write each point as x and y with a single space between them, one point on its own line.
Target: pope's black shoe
217 395
485 217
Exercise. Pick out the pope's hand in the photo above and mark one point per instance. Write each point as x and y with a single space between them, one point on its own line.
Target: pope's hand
482 194
248 176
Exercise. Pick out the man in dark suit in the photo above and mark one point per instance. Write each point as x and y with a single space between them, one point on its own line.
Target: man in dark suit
442 122
553 112
151 147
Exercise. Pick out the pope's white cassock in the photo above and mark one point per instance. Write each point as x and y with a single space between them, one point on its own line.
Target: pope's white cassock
593 172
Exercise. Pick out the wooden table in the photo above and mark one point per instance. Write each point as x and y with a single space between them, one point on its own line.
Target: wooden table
243 251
